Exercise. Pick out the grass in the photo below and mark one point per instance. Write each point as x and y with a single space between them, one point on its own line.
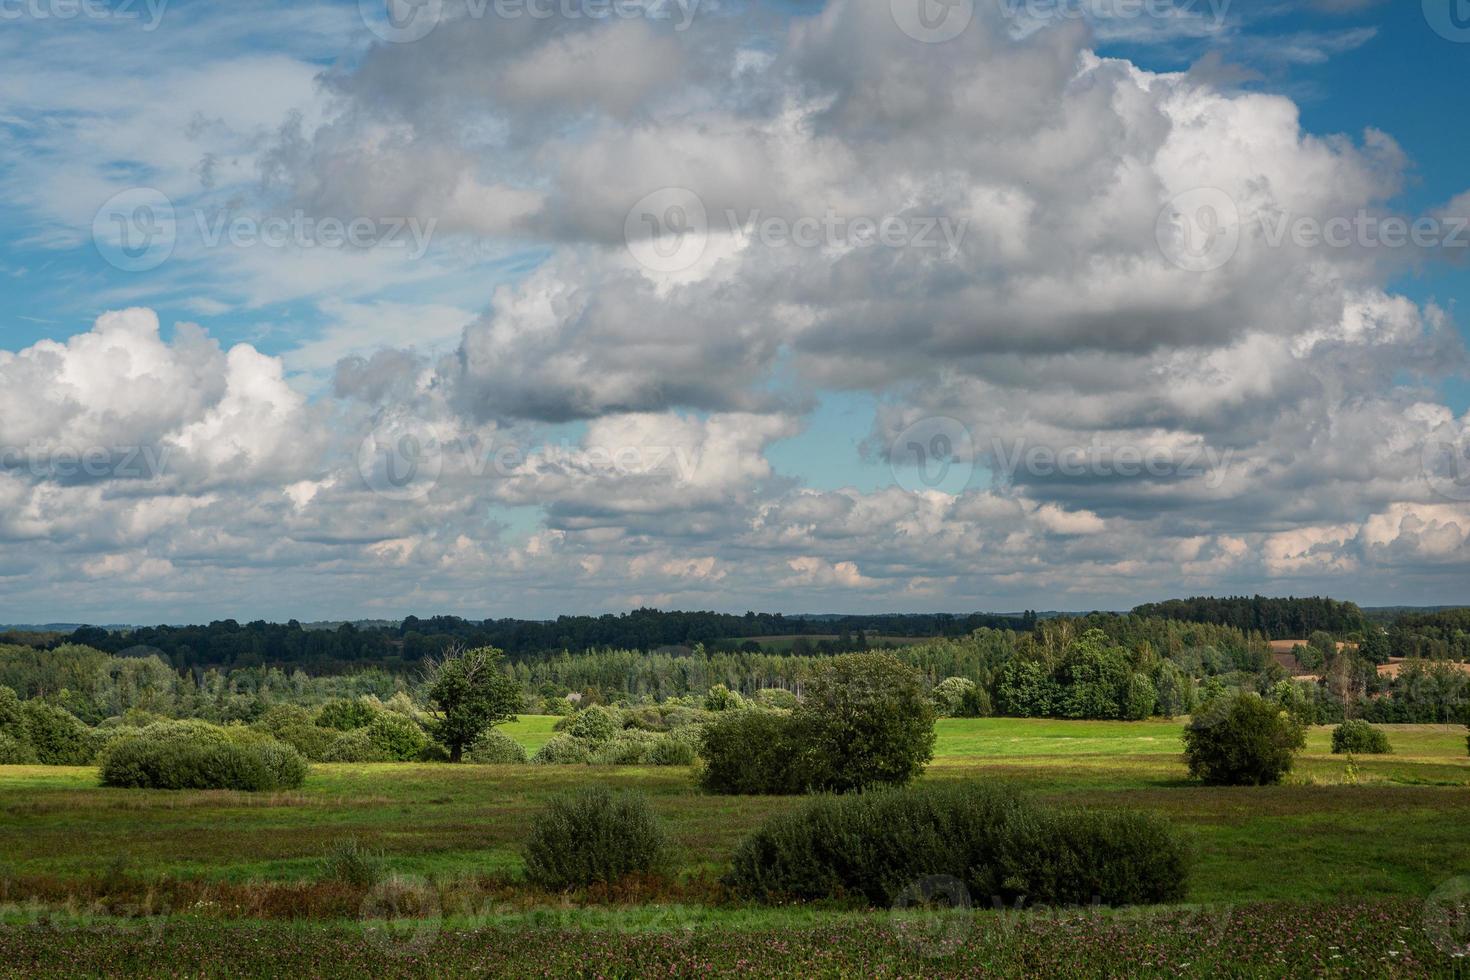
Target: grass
1393 837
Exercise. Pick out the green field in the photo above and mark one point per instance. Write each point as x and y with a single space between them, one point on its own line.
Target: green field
157 874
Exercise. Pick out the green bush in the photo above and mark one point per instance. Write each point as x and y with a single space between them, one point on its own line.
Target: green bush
950 694
562 750
750 752
670 751
1243 740
166 763
345 714
350 863
14 752
434 752
864 720
877 845
11 718
355 746
721 698
1360 738
775 697
495 748
629 748
596 725
55 735
593 835
296 727
400 737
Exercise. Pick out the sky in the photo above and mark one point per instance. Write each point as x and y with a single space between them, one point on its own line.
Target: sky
529 307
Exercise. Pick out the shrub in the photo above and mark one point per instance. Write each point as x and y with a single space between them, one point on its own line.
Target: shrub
775 697
355 746
593 835
630 748
1360 738
1243 740
55 735
11 718
864 720
721 698
14 752
949 696
878 844
434 752
750 752
596 725
495 748
562 750
352 864
179 764
670 751
345 714
399 737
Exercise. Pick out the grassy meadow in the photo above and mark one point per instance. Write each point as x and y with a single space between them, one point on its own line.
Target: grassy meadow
153 878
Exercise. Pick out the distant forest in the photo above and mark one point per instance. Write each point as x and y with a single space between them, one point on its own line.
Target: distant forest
401 647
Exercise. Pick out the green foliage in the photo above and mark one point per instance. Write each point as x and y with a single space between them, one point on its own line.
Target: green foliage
775 697
468 693
1359 738
593 835
344 714
864 720
1243 740
355 746
596 725
1139 698
750 752
55 735
721 698
1026 690
1175 690
950 696
629 748
495 748
672 751
295 726
562 750
14 752
879 845
400 737
175 762
350 863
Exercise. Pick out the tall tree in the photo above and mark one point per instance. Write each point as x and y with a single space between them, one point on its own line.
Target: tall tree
468 693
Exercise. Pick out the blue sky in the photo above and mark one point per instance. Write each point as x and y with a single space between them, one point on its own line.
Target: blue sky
795 377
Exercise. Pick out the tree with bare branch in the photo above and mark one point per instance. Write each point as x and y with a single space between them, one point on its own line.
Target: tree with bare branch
468 693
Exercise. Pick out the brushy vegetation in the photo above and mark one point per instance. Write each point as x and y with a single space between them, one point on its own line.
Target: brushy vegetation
495 748
594 835
1359 738
352 863
1245 740
145 763
881 844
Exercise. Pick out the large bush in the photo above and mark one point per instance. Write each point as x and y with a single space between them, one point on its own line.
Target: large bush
595 725
495 748
864 720
562 750
55 735
399 736
296 727
1360 738
879 844
1243 740
177 763
593 835
355 746
14 752
345 714
750 752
